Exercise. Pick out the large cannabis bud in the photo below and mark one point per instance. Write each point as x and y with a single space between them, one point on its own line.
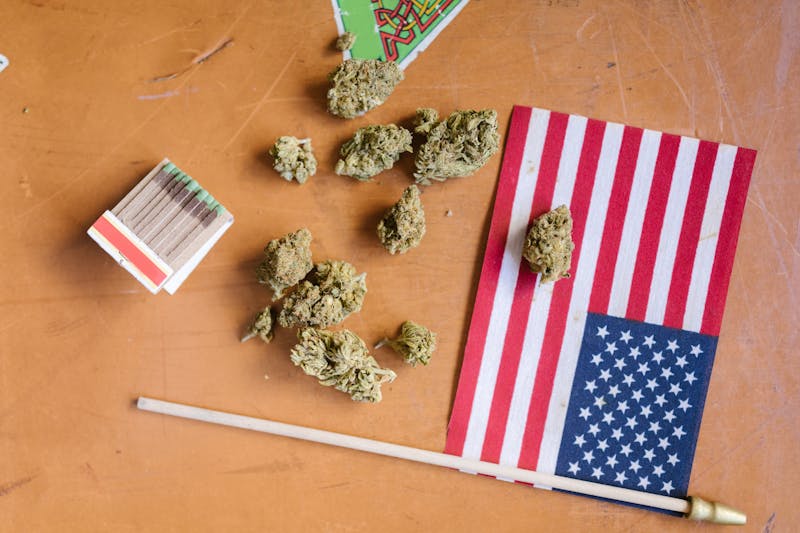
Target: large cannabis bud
548 245
345 41
372 149
340 359
287 260
457 146
403 226
360 85
293 158
261 326
415 344
332 291
425 120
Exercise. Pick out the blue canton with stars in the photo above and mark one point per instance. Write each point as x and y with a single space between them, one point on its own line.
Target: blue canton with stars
636 404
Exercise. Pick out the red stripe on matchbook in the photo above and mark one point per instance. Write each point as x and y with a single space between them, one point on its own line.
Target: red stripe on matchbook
493 258
130 251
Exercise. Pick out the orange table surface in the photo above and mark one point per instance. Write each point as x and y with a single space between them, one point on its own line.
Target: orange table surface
80 124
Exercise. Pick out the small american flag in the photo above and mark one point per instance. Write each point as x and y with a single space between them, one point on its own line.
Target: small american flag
601 376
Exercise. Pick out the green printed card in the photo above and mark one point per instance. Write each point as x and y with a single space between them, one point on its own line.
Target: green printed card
393 30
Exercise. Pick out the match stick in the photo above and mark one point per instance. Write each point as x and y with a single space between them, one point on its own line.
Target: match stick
694 508
127 212
143 188
174 177
177 224
150 231
184 253
161 200
186 230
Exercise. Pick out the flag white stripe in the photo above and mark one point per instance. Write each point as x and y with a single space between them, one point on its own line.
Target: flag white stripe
671 230
709 235
634 218
537 316
579 303
507 282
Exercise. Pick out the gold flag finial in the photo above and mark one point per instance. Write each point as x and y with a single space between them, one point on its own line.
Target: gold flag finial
715 512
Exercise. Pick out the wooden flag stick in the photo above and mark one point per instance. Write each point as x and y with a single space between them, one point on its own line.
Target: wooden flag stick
694 508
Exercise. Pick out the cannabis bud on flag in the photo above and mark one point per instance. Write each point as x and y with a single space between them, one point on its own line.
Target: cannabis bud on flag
601 376
393 30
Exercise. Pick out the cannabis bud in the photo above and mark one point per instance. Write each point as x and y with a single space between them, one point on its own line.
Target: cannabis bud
293 158
457 146
360 85
548 245
345 41
261 326
403 226
287 260
340 359
372 149
415 344
425 120
332 291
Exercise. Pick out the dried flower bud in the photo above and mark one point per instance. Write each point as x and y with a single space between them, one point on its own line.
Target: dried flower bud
403 226
261 326
457 146
425 120
372 149
340 359
287 260
548 245
415 344
293 158
345 41
332 291
360 85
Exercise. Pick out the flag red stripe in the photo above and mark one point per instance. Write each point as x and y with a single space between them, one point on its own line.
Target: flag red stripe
523 294
690 234
562 294
651 227
498 232
130 251
617 207
726 244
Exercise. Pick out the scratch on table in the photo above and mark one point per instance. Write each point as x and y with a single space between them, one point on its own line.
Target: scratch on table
335 485
11 486
770 524
276 466
669 74
586 22
619 69
639 13
188 27
202 58
167 94
89 471
749 441
261 101
790 27
709 55
275 100
758 200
